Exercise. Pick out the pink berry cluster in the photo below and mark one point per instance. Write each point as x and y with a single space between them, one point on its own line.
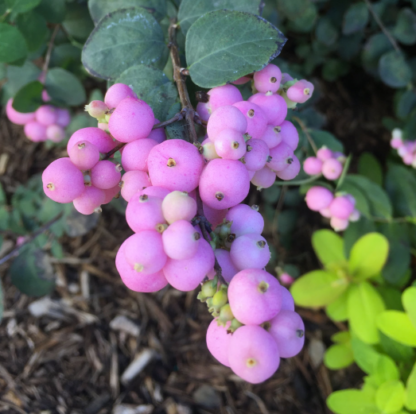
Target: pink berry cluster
405 149
328 163
255 131
48 122
339 208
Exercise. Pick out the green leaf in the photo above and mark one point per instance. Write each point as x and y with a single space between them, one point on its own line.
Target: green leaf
317 288
350 46
369 167
364 305
362 203
33 28
99 8
368 255
333 69
394 70
21 6
342 337
324 138
152 86
398 326
338 309
13 45
29 98
294 9
329 247
351 402
373 49
32 273
405 104
355 19
356 230
386 370
122 39
405 28
338 356
78 23
306 21
191 10
390 397
365 356
409 303
52 10
64 87
410 397
222 46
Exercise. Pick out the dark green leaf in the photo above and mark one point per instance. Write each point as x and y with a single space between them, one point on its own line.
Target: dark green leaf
397 351
406 103
34 29
366 357
99 8
326 32
222 46
356 18
78 23
153 86
394 70
29 98
64 87
374 48
21 6
326 139
12 45
369 167
350 46
32 273
306 21
52 10
293 9
405 29
334 69
122 39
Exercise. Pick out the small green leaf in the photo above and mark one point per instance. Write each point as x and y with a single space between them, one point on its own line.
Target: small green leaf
21 6
369 167
409 303
374 48
406 103
29 98
395 350
99 8
355 19
394 70
333 69
122 39
78 23
52 10
33 28
64 87
342 337
410 397
329 247
364 306
326 32
306 21
13 45
405 28
386 370
398 326
368 255
390 397
356 230
338 309
191 10
338 356
317 288
324 138
351 402
222 46
365 356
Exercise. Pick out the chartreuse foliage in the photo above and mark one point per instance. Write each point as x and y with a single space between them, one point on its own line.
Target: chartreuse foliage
382 327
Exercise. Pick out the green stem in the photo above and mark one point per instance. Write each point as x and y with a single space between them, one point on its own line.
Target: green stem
300 182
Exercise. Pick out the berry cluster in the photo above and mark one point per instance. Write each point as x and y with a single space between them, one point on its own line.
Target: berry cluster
47 122
405 149
328 163
339 208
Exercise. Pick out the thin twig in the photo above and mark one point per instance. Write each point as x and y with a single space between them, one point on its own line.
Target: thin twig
299 182
381 25
49 51
306 132
31 237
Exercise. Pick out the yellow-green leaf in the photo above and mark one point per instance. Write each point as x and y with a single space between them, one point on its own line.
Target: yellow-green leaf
410 398
351 402
409 303
398 326
338 309
338 356
390 397
343 337
328 246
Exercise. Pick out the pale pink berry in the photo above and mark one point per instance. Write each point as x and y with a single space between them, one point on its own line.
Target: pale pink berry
132 119
244 220
46 115
287 299
341 207
291 171
317 198
288 331
355 216
178 205
268 79
254 296
281 157
175 164
301 91
257 154
16 117
289 134
157 134
228 269
324 154
253 354
111 193
332 169
250 251
133 182
230 144
286 78
218 340
273 106
96 109
214 216
154 191
208 150
264 178
96 136
63 181
222 96
180 240
55 133
255 117
84 155
187 274
242 80
63 117
272 136
116 93
325 212
105 174
145 213
226 117
312 166
224 184
90 200
339 224
35 131
136 153
45 96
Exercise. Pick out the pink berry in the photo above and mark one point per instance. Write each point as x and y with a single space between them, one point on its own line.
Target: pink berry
355 216
62 181
213 215
158 134
318 198
96 136
218 340
222 96
396 142
226 117
144 252
324 154
132 119
187 274
272 136
325 212
134 182
289 134
230 144
331 169
339 224
178 205
341 207
111 193
257 154
254 296
180 240
136 281
35 131
273 106
288 331
281 157
136 153
175 164
241 81
291 171
16 117
264 178
253 354
116 93
228 268
250 251
285 78
287 299
63 117
202 108
46 115
301 91
145 213
154 191
45 96
55 133
312 166
105 174
245 220
84 155
89 200
255 117
268 79
224 184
